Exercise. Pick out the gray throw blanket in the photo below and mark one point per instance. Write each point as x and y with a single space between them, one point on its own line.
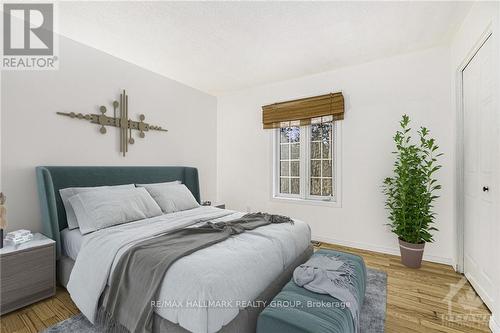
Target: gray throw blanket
333 276
126 305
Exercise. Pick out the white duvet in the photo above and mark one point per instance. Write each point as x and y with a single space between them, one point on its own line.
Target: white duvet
205 290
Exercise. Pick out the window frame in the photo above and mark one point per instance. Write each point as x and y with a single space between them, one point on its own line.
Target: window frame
305 178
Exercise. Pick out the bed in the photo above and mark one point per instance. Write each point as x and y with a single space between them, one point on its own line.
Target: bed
250 267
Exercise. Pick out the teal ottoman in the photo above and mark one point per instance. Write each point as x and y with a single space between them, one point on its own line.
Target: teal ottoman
298 310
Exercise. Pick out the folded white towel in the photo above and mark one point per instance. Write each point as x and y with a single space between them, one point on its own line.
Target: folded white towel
18 233
19 240
18 237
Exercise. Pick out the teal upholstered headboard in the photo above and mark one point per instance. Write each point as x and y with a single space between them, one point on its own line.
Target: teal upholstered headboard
50 179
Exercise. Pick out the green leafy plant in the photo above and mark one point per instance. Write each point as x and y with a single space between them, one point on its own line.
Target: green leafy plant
410 193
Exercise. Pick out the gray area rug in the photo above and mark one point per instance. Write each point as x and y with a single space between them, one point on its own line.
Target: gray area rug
372 313
372 317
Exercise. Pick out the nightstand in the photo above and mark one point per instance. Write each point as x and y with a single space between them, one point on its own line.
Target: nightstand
27 273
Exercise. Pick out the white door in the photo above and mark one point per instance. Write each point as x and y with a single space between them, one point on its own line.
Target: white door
480 171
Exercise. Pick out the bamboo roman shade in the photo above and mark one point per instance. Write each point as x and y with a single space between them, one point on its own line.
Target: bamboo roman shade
301 111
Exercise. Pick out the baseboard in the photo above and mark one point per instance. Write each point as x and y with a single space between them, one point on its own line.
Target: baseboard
494 325
381 249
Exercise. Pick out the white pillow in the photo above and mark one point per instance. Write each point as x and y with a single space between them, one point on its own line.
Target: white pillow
67 193
172 197
100 209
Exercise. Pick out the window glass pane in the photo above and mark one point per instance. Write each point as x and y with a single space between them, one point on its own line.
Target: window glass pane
294 169
316 186
294 134
315 168
284 185
285 168
295 151
284 151
295 186
290 134
327 187
327 131
283 135
325 149
327 168
315 132
315 150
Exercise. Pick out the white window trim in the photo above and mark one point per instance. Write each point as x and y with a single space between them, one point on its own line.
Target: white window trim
304 184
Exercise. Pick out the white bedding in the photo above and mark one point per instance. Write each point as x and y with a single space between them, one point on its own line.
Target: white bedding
230 273
71 241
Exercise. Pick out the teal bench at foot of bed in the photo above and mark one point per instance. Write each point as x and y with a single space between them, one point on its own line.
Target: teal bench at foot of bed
298 310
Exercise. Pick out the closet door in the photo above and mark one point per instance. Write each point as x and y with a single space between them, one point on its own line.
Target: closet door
480 171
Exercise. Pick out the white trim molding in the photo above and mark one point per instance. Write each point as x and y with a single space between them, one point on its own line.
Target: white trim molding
494 325
380 249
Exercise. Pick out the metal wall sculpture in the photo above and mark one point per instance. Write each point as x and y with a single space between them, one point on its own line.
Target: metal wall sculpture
120 120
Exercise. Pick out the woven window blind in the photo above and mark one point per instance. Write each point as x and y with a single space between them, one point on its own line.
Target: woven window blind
301 111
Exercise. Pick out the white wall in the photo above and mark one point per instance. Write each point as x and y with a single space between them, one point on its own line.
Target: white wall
482 18
32 134
376 94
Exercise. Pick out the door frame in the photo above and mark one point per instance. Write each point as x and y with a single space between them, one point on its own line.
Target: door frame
459 149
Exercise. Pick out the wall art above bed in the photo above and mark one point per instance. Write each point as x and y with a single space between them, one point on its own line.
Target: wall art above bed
119 120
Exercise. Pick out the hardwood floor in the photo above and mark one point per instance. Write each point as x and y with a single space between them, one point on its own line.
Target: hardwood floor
415 301
39 316
416 297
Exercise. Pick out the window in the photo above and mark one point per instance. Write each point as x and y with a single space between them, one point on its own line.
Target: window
305 152
305 160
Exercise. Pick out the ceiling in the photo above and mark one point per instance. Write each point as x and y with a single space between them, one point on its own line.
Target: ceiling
219 47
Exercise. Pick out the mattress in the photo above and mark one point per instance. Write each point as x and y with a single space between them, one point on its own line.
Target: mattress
71 242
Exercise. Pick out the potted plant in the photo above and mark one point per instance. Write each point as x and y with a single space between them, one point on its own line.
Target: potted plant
410 193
